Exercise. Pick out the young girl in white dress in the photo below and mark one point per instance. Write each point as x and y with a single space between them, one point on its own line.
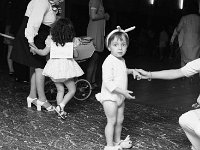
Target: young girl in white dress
114 88
61 67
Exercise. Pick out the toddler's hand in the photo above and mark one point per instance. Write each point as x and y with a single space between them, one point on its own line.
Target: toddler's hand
77 41
136 75
32 45
32 50
107 16
143 74
127 94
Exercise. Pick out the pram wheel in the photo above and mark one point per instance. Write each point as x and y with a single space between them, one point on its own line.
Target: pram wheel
83 89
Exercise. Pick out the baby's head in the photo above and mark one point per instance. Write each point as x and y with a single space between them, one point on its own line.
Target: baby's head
63 31
117 41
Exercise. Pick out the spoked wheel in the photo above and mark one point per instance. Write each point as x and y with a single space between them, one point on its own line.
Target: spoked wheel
83 89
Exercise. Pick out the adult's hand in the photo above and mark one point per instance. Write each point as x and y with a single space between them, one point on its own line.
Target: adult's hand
32 47
144 74
107 16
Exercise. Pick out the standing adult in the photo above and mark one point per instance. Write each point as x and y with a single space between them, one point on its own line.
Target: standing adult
188 31
189 121
39 16
14 15
96 30
163 42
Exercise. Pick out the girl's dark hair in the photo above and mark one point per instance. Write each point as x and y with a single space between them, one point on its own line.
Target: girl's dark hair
62 31
118 35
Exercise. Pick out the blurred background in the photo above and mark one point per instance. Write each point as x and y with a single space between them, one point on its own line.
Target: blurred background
149 17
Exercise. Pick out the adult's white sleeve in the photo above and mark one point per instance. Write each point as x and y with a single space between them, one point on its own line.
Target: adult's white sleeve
35 19
191 68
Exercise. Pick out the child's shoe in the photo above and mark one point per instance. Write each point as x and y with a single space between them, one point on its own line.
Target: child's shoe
61 112
117 147
127 143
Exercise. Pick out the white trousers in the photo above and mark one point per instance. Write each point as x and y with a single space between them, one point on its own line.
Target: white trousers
190 122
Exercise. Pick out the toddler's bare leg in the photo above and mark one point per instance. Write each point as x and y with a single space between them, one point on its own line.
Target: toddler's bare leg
120 119
110 109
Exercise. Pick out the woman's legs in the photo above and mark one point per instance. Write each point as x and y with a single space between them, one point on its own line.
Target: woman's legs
110 109
10 62
190 122
42 100
92 68
40 79
33 91
120 119
60 92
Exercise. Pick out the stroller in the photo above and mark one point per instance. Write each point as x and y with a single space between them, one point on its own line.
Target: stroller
83 87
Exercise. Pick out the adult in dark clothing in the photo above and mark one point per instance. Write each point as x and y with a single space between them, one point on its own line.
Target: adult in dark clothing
39 17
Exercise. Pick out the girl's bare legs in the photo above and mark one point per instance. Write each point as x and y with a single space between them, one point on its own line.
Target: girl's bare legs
120 119
70 84
60 92
33 91
40 79
110 109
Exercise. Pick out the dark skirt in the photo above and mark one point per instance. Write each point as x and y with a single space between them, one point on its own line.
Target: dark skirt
21 51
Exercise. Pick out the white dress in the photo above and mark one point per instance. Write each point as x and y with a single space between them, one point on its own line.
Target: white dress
61 69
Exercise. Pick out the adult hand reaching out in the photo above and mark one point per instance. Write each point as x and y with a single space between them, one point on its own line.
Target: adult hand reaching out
107 16
144 74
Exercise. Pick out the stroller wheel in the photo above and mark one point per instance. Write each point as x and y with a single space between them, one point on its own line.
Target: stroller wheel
83 89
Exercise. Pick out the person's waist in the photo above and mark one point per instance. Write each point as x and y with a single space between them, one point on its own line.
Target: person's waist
44 23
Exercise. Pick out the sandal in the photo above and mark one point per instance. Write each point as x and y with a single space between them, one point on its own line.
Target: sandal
61 112
31 101
44 104
127 143
196 105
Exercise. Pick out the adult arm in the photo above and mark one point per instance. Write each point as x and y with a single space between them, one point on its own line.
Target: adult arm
177 30
94 15
164 74
77 42
188 70
35 19
45 51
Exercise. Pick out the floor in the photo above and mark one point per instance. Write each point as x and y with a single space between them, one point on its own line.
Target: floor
151 119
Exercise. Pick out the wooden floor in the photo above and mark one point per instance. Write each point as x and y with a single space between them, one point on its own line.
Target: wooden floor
151 119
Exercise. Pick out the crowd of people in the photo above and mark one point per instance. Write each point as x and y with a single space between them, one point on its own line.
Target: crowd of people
45 45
